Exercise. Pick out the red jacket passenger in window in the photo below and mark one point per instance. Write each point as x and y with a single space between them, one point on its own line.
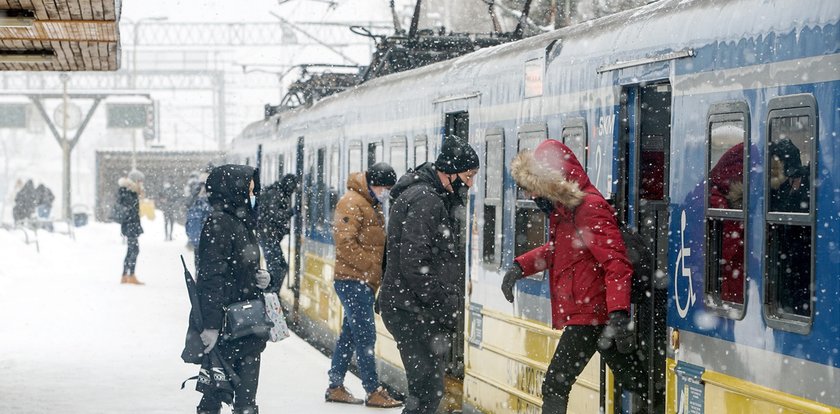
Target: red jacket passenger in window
726 191
590 275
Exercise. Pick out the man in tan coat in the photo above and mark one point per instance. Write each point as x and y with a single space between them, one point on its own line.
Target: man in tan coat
359 232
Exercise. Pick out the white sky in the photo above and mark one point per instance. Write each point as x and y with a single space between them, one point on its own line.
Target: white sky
257 10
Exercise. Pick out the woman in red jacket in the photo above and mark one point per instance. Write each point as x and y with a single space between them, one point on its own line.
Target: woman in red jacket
590 275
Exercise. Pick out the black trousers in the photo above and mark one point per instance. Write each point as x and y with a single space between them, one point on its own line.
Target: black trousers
574 350
131 256
245 395
423 347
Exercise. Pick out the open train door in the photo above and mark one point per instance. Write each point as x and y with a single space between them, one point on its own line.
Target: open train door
643 157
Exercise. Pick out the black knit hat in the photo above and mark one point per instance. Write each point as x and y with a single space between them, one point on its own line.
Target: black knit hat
381 174
456 156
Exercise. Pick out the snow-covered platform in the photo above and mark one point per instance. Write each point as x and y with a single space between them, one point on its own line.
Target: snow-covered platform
73 340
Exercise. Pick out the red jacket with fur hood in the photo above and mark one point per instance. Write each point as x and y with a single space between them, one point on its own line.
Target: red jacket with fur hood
585 254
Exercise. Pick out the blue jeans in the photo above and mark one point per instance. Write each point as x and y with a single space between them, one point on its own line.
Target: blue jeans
358 334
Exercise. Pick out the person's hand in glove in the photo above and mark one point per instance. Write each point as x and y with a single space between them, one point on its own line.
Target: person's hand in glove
209 338
621 331
513 274
263 278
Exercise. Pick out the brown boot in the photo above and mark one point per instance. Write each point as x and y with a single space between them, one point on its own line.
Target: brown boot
132 279
124 279
341 395
381 399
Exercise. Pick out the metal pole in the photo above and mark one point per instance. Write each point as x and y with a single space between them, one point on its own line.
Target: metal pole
65 152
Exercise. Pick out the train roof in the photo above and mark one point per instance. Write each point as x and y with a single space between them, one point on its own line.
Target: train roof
664 26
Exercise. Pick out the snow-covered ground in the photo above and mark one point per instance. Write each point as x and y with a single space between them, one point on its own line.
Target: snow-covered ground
73 340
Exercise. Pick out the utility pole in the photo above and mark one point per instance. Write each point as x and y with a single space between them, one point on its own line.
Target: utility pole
66 148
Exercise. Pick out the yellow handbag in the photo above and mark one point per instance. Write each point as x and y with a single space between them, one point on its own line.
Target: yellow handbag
147 208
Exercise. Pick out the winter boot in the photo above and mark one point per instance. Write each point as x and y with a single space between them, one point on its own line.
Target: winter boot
340 394
381 399
124 279
251 409
132 279
202 411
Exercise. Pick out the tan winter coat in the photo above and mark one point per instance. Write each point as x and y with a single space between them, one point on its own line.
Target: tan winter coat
359 232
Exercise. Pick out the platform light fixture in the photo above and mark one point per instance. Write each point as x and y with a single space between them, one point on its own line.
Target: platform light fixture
17 18
27 56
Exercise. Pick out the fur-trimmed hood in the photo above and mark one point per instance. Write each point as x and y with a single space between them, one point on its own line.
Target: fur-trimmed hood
131 185
551 171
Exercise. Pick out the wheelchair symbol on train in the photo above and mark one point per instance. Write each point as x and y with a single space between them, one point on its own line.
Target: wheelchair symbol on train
681 271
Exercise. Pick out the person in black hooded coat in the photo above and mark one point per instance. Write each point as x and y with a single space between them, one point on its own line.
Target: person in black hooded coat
423 284
228 272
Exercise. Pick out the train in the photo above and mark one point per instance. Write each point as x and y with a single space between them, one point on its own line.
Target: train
710 124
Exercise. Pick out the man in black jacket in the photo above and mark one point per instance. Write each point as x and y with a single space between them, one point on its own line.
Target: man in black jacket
424 277
228 272
273 218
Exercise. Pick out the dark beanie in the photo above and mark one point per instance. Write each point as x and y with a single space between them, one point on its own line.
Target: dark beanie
381 174
456 156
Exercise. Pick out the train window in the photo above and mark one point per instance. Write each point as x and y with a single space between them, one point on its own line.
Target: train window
281 165
726 276
574 136
397 155
354 162
374 152
493 200
789 163
421 149
333 186
530 222
334 162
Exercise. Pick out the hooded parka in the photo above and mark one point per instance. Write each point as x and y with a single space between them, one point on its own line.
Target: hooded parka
590 275
425 269
128 196
229 254
359 232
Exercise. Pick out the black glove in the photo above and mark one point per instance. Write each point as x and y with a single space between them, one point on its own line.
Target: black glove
621 331
513 274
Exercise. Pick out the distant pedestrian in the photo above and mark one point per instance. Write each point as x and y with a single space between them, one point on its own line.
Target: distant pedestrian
44 200
197 212
24 202
359 229
128 200
423 286
273 219
228 272
169 199
590 274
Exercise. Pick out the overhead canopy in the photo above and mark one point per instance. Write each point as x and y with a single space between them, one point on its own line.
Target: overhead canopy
59 35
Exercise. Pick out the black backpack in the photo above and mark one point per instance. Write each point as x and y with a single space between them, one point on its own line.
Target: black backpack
641 258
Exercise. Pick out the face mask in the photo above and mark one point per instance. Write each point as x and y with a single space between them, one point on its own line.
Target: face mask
253 200
544 204
383 196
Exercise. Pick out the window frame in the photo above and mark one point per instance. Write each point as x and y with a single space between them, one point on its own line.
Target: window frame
421 140
577 122
726 112
525 134
783 107
497 202
398 141
353 145
374 148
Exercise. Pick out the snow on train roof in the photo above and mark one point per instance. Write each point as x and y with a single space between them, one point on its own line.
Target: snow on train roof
657 26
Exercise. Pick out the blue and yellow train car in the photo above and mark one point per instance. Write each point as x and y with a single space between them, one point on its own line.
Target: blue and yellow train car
712 125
